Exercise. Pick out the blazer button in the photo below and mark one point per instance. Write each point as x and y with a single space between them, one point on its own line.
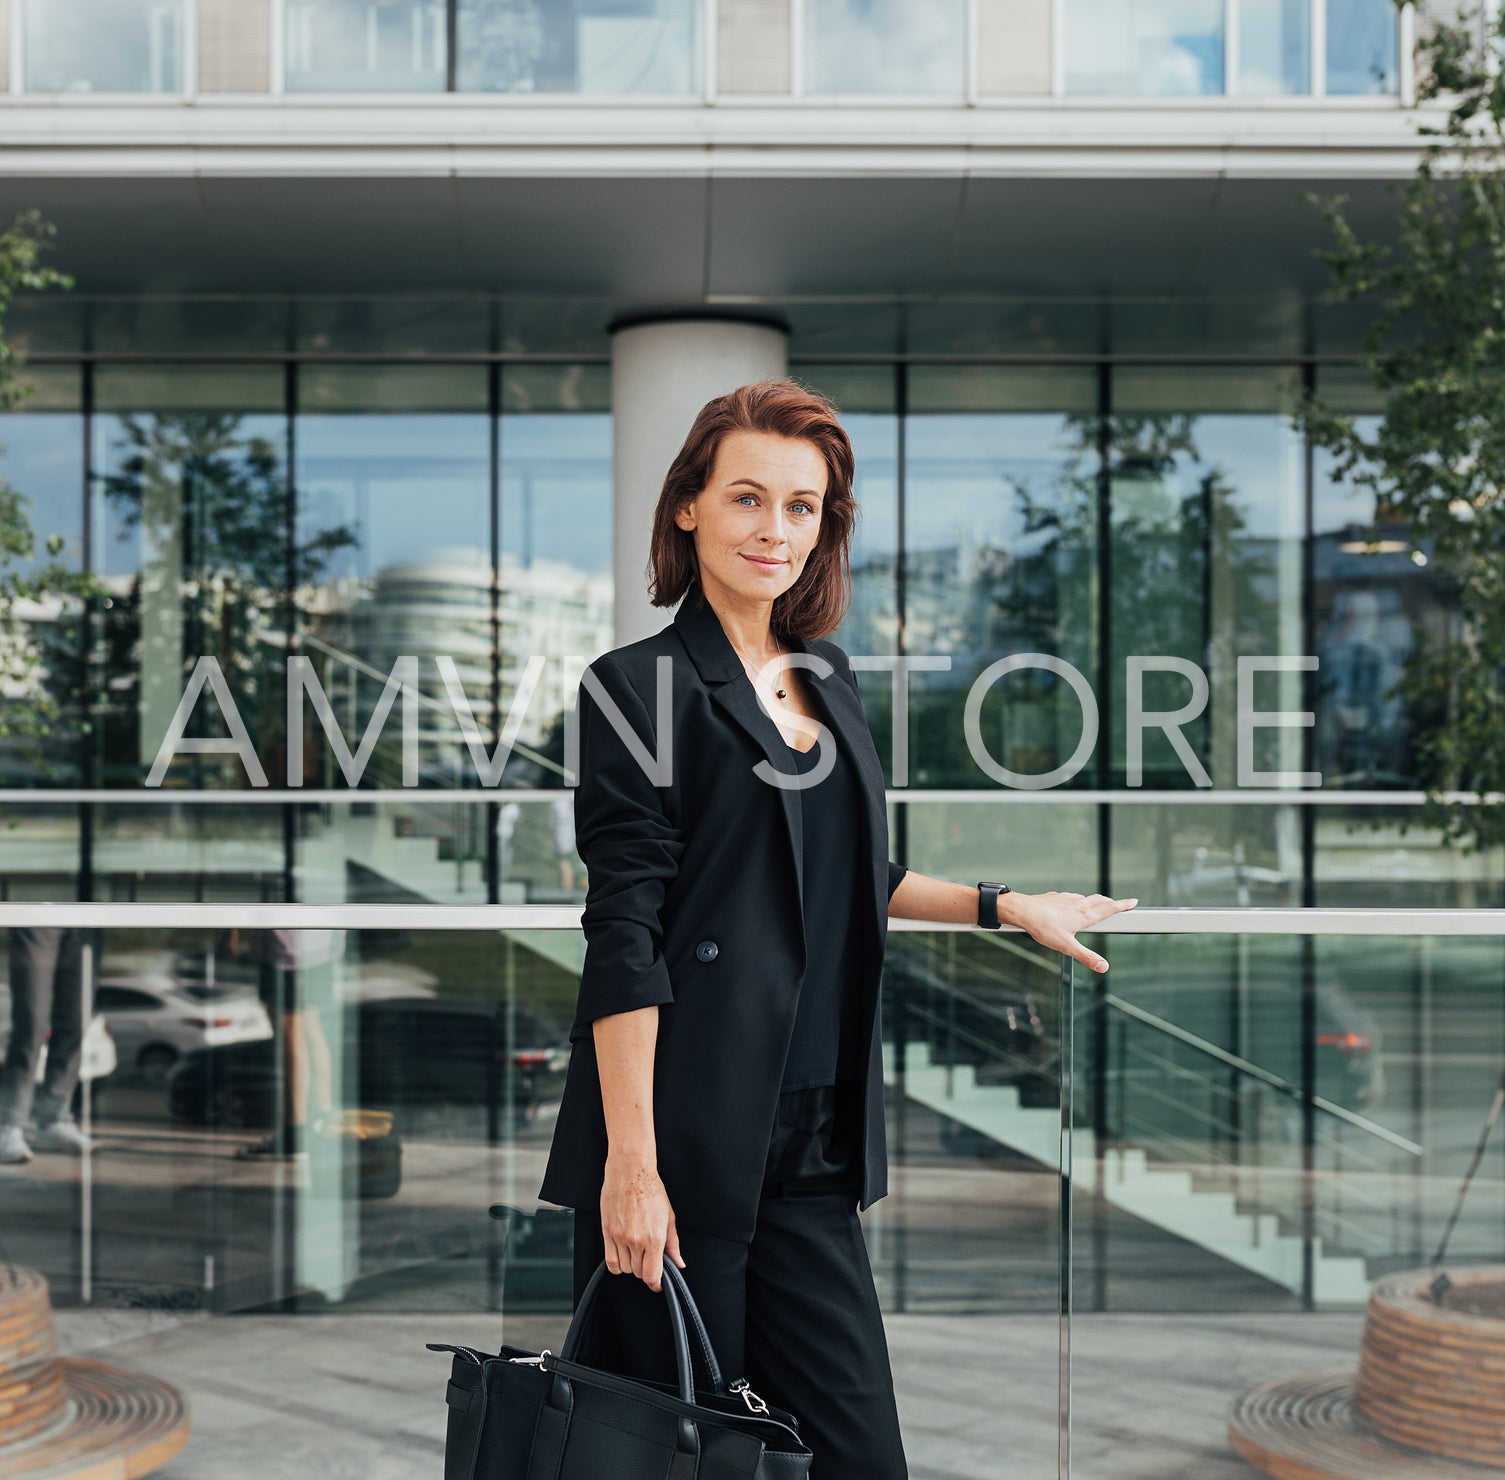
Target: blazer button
707 950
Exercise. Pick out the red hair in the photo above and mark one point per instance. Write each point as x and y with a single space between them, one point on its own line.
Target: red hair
820 598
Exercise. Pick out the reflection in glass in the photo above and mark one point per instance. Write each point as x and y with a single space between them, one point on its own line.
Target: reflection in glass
1001 528
1145 48
191 500
1207 529
365 45
579 46
1204 856
394 484
1275 48
556 541
40 677
103 46
1363 37
885 46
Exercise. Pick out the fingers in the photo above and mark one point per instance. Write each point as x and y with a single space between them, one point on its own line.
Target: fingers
652 1273
612 1255
671 1244
1089 958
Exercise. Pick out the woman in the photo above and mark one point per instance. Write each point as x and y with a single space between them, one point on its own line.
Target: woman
724 1101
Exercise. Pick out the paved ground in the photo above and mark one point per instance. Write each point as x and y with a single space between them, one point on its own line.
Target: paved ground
286 1397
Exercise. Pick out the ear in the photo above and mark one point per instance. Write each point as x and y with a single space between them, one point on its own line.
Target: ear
684 516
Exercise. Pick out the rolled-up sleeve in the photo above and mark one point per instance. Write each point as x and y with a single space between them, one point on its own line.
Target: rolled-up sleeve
631 850
896 872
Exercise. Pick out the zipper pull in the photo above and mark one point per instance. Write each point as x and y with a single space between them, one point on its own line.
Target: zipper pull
530 1361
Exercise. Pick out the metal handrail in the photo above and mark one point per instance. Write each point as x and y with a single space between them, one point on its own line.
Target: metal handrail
1264 1076
1151 921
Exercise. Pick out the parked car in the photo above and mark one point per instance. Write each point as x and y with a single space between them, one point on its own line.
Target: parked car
408 1051
99 1057
156 1020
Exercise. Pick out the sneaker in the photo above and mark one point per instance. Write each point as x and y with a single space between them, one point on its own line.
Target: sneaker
13 1147
61 1135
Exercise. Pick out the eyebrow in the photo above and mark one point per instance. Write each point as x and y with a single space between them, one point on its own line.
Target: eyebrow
798 492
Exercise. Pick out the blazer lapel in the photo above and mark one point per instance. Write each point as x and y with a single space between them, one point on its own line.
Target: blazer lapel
721 669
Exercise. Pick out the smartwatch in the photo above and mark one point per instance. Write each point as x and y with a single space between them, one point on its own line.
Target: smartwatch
987 905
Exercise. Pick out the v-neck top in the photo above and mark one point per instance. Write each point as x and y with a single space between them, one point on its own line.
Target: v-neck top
824 1047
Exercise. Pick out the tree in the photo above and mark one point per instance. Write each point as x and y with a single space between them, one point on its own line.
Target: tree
39 662
1435 460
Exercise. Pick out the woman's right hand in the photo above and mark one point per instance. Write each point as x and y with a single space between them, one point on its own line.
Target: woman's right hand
637 1223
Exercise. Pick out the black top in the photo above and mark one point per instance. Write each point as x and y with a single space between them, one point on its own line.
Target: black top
824 1047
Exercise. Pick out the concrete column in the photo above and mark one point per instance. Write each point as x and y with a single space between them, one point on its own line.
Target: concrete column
662 373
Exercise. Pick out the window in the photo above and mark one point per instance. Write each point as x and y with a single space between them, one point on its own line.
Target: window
103 46
885 46
366 45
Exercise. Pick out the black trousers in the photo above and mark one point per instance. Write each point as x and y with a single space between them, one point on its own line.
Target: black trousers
794 1311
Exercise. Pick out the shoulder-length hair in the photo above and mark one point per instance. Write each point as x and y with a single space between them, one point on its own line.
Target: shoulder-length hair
819 599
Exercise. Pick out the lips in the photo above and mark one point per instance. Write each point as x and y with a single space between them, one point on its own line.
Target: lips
766 564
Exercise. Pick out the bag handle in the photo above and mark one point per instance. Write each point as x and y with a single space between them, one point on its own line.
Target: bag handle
680 1304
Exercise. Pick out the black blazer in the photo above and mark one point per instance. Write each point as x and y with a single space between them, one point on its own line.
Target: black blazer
694 903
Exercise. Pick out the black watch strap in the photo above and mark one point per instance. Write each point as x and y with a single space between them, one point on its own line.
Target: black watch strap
987 905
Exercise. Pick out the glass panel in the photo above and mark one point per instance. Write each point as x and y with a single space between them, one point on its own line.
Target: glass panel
1379 857
1001 519
1208 856
190 498
1207 519
1363 38
392 326
1149 48
315 1122
103 46
885 46
1210 1074
41 461
612 47
556 542
1275 47
366 45
394 508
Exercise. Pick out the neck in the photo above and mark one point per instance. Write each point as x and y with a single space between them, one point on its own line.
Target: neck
748 624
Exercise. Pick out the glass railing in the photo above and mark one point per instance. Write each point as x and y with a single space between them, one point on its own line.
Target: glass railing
1115 1202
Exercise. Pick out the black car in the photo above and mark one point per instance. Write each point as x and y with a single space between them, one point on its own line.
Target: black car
409 1052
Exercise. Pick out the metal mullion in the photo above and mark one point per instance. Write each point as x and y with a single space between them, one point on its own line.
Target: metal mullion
710 80
451 46
1319 48
277 47
971 62
1231 60
189 78
17 79
1405 50
1058 48
797 48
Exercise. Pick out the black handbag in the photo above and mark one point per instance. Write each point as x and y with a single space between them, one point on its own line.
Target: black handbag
523 1415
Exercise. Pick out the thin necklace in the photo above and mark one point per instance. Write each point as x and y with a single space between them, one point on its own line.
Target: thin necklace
751 672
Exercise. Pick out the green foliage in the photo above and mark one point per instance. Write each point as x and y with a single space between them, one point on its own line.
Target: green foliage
38 661
1435 461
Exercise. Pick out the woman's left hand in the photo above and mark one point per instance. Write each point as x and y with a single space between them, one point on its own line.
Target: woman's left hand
1054 919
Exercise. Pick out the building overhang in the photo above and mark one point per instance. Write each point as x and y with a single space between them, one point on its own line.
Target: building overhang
667 206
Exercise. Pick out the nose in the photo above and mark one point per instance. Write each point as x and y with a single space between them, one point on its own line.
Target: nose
772 530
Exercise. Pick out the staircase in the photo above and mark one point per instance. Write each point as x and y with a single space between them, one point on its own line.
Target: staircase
1162 1196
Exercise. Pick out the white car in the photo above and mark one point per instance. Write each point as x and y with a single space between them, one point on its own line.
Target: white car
156 1020
99 1058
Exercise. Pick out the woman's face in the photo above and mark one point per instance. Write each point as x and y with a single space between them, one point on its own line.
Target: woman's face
758 519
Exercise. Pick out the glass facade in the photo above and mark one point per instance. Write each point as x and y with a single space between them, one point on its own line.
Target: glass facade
1181 48
501 46
103 46
885 46
654 48
1256 1126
